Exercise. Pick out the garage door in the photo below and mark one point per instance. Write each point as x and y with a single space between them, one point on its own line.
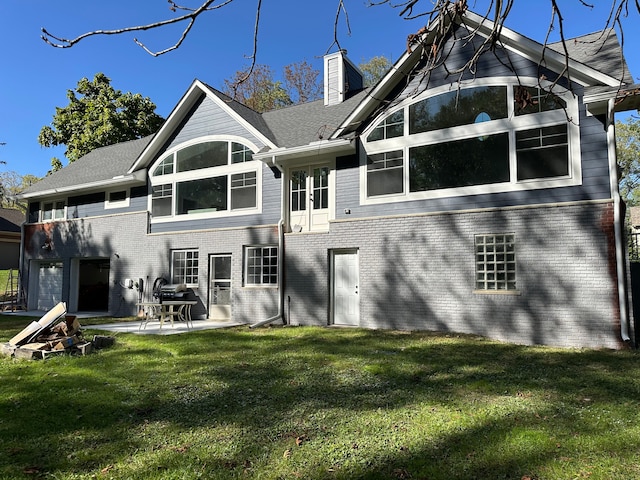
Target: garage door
49 285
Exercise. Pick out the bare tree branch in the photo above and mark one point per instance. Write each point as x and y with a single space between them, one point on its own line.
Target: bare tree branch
438 14
191 17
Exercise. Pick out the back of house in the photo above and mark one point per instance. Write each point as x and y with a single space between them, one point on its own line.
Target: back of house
475 198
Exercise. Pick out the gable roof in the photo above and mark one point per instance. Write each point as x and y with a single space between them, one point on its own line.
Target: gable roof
605 73
11 219
250 119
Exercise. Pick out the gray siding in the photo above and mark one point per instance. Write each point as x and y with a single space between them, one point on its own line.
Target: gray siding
595 185
418 273
270 211
209 119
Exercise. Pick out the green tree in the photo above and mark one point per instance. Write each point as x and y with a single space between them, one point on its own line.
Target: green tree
628 149
12 183
258 90
98 115
374 69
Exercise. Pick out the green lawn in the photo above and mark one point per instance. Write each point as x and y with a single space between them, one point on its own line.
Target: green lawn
4 275
314 403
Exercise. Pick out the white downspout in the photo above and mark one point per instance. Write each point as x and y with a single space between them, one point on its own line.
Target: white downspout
617 224
280 314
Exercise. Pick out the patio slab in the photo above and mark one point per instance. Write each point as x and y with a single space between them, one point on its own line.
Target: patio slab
153 327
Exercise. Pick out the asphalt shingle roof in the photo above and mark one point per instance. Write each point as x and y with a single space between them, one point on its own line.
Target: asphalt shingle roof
103 163
600 51
303 124
11 219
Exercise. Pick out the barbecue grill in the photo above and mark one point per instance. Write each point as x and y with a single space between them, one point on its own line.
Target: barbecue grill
173 291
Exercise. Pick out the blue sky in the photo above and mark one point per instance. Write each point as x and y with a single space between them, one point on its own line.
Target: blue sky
35 77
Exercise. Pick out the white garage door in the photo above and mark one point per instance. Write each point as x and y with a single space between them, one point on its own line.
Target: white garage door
49 285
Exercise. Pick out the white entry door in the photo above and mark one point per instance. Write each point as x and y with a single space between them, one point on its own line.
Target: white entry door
220 287
309 204
346 292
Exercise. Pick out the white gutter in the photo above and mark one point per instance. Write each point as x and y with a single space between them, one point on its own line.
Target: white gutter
311 149
617 224
138 177
280 314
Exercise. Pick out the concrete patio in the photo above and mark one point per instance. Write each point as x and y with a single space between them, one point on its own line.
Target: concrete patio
135 325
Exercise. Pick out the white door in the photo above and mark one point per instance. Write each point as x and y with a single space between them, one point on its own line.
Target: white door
309 201
346 296
220 287
49 285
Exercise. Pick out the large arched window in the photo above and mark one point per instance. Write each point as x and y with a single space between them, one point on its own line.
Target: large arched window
491 136
206 178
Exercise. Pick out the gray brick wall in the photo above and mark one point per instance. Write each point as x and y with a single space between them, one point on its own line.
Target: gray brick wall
134 254
417 273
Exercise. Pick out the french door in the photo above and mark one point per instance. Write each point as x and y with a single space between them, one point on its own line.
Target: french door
310 198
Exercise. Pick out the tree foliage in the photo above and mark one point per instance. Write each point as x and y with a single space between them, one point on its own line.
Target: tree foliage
259 91
628 149
11 184
98 115
375 69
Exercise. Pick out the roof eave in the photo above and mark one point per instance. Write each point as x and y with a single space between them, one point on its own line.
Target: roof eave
626 99
311 150
130 180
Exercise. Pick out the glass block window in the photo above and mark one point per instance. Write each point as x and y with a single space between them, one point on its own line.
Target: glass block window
261 266
495 262
184 267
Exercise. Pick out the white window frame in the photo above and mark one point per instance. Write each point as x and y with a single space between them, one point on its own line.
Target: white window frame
187 251
252 166
245 273
511 124
54 204
108 203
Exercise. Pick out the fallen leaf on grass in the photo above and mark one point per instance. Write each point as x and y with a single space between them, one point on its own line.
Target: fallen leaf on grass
300 440
106 469
287 453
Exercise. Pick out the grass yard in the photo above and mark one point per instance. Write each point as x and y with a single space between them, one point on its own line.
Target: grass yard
314 403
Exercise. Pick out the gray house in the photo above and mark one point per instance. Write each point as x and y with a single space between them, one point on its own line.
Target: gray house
482 202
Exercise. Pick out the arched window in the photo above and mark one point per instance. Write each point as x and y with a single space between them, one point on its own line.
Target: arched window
491 136
206 178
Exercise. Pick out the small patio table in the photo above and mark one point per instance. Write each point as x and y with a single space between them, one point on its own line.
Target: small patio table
168 309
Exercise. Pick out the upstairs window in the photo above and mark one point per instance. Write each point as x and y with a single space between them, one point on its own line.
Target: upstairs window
117 199
390 127
485 138
206 178
53 211
458 107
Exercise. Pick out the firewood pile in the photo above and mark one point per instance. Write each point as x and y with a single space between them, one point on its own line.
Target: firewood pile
53 334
